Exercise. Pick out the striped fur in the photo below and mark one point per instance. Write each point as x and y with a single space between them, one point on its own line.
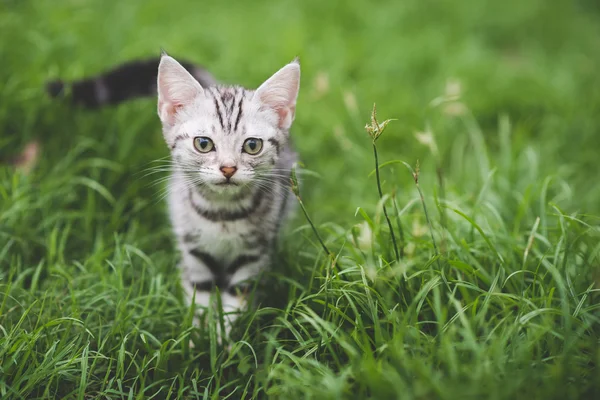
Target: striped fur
226 232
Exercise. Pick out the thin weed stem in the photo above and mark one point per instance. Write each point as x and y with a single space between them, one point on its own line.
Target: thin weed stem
296 191
416 178
399 223
385 213
375 129
330 256
442 198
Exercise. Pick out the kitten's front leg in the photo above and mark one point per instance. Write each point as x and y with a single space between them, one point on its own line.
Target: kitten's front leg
246 267
241 273
197 279
235 296
201 273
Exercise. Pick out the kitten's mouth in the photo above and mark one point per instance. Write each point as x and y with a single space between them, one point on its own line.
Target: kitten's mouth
226 183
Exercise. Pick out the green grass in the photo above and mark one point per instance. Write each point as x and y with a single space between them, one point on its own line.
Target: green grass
508 305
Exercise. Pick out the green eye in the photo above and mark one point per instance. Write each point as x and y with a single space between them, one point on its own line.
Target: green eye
252 146
203 144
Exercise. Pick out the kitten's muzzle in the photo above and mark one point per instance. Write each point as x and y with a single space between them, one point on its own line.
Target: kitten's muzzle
228 172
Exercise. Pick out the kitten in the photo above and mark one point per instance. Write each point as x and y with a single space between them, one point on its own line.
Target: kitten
228 191
231 160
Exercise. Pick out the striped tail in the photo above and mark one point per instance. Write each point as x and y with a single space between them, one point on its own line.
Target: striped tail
127 81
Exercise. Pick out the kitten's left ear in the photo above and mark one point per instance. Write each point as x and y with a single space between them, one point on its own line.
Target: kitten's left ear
280 92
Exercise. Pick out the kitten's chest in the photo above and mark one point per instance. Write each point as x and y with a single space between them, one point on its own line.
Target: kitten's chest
225 233
225 239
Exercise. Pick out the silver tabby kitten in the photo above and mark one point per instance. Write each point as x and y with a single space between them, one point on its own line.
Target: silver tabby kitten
228 192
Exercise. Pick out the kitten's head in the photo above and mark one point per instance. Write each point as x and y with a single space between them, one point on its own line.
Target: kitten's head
226 138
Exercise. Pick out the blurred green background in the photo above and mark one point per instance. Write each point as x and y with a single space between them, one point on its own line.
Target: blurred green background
532 60
508 89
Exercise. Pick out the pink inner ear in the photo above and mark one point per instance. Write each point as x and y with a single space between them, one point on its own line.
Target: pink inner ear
286 116
170 109
173 109
283 113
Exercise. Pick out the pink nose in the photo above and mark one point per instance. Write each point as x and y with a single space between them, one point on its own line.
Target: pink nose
228 172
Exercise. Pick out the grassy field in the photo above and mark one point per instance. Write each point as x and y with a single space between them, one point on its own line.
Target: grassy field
496 294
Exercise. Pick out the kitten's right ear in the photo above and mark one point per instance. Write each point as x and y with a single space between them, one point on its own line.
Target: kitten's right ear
176 88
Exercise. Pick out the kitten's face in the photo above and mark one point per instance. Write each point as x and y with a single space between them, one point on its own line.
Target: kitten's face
228 138
224 159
